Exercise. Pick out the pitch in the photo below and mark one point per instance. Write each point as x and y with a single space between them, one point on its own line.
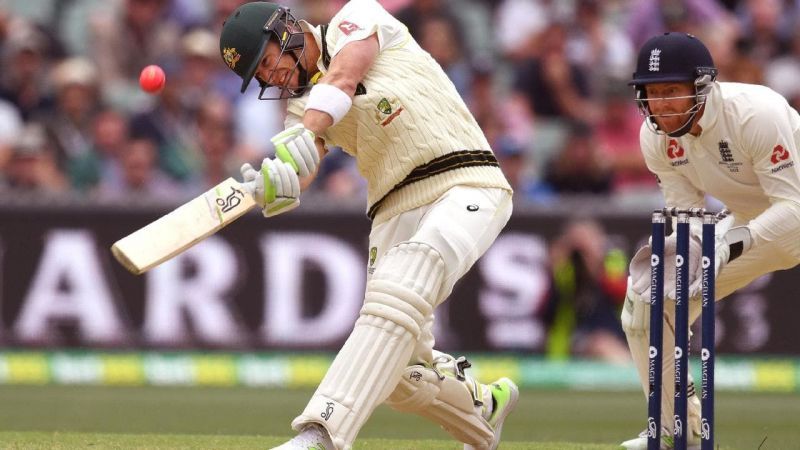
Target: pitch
65 417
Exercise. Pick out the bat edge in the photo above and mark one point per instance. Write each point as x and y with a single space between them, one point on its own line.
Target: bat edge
126 262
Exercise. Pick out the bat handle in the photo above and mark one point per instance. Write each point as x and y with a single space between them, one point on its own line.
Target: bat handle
250 187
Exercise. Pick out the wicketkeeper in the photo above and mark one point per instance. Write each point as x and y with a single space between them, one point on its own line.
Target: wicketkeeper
436 196
735 142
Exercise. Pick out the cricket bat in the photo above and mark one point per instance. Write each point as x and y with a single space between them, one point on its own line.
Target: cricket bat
184 227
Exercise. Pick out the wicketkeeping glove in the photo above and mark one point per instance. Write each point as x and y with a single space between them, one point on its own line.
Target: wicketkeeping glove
641 265
296 145
729 244
276 187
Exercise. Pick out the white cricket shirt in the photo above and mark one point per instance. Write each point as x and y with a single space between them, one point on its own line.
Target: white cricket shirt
409 116
745 156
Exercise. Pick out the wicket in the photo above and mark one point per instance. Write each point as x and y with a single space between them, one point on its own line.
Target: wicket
681 326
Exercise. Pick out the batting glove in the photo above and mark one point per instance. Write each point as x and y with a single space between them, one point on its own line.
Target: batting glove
296 145
276 187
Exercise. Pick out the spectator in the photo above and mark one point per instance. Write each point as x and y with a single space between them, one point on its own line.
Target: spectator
23 80
413 15
651 17
617 134
580 167
123 44
390 5
200 67
554 87
217 146
782 73
471 20
590 274
508 127
203 75
440 36
227 82
69 122
339 178
512 160
32 166
744 66
317 12
136 176
516 23
521 171
596 45
189 14
170 124
766 28
110 135
10 126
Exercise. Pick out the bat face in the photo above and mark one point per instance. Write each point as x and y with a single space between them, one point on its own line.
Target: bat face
183 227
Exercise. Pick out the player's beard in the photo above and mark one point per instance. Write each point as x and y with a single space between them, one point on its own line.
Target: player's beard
671 124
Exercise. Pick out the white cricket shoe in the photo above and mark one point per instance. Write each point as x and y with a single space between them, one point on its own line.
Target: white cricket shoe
505 394
667 442
313 437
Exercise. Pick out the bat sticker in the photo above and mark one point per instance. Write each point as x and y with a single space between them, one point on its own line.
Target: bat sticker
231 201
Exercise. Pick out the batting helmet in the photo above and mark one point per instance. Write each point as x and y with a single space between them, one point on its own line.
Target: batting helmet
673 57
248 30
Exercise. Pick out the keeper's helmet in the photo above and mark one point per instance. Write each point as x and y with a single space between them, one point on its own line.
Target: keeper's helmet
245 35
673 57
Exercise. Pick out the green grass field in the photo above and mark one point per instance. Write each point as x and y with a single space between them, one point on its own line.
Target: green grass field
58 417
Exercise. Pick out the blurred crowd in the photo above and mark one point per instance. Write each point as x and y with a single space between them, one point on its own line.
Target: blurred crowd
546 79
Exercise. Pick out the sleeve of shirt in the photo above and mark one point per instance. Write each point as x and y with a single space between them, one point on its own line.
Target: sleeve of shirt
360 19
677 189
768 131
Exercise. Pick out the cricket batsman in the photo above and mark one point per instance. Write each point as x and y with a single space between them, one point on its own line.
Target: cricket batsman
735 142
436 197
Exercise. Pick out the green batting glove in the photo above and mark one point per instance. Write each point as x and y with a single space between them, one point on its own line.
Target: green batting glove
297 146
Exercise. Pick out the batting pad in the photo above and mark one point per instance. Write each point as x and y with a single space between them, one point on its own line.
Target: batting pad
636 324
446 396
398 300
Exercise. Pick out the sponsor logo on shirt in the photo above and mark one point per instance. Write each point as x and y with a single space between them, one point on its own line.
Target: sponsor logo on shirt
676 153
780 154
726 155
348 27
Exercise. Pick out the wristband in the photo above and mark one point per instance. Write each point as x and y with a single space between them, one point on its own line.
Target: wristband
330 100
739 240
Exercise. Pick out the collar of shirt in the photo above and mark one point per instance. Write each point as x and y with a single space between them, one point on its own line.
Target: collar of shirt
317 33
711 108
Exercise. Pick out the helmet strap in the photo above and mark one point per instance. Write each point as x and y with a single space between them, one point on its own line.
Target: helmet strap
302 75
